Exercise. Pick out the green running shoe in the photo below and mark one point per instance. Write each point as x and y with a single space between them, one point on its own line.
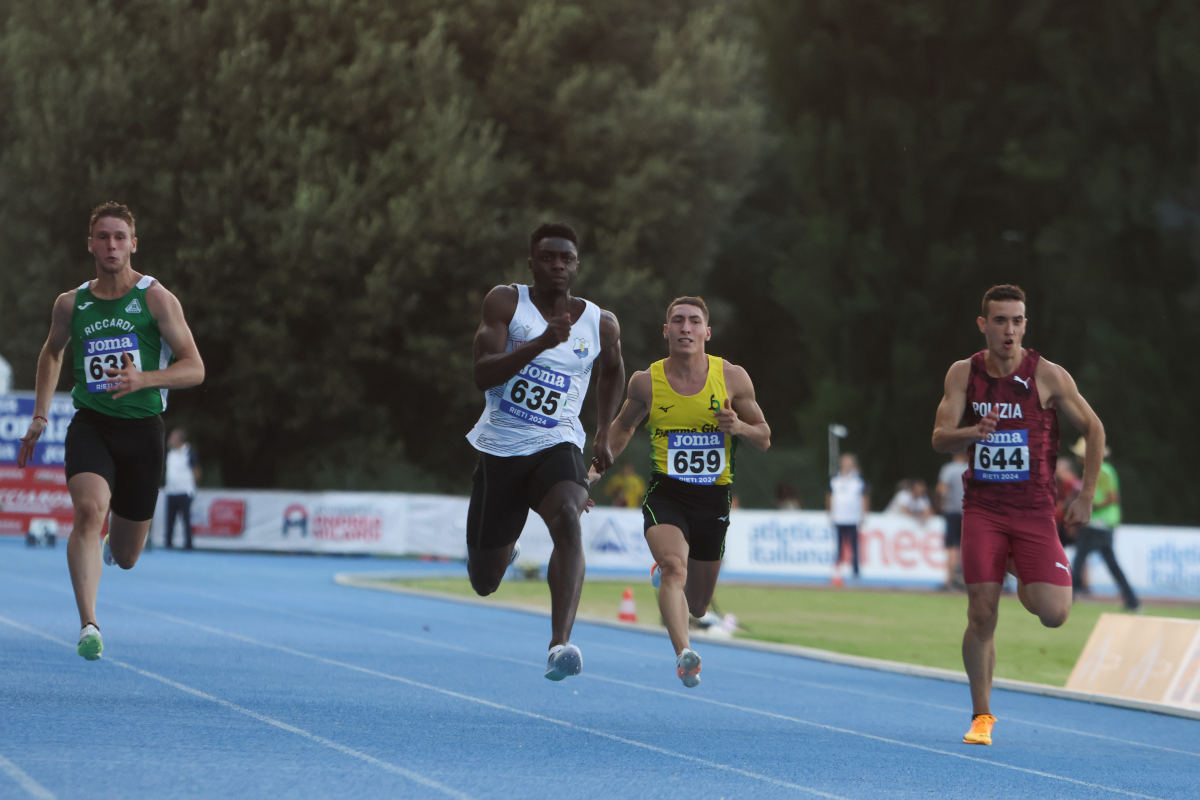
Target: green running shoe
90 644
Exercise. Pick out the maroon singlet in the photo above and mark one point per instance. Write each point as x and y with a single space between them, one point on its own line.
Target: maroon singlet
1012 471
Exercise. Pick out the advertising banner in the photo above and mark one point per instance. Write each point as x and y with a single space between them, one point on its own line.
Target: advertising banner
39 491
894 549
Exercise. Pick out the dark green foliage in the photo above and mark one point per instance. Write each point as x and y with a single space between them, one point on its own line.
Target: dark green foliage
332 187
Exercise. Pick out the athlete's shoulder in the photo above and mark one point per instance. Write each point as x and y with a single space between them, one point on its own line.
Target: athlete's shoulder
1052 378
501 302
159 299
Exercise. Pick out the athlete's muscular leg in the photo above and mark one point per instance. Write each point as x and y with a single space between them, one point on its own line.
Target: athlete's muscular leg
126 538
1050 603
89 498
486 568
560 509
670 550
979 642
701 583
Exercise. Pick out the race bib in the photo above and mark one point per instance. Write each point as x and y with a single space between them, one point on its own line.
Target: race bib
696 457
107 353
1003 457
535 395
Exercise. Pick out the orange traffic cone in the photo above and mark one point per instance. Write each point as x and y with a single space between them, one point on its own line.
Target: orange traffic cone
628 611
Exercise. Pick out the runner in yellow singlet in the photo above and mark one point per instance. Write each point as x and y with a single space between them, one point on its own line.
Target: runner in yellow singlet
697 409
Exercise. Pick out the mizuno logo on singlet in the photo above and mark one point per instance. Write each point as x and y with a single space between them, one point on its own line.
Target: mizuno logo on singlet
1023 381
665 409
85 305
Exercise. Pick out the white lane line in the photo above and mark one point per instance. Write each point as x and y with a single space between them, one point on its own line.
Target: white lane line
825 687
657 690
312 737
25 780
417 684
628 684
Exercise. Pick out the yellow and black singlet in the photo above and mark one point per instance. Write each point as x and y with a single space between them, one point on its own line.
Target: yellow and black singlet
685 442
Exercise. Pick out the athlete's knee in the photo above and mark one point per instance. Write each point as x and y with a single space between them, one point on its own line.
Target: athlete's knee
982 619
674 570
125 560
89 515
1055 617
485 579
484 584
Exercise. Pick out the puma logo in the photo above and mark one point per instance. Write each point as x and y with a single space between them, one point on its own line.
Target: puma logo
1062 567
665 409
1023 381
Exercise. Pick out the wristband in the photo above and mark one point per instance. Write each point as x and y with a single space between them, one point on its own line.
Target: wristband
43 419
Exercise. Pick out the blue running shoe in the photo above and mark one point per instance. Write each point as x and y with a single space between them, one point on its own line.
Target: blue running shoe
90 644
687 667
655 575
565 660
108 556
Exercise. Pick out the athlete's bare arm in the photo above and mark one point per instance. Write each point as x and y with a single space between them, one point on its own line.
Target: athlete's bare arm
185 371
1058 390
633 411
494 365
609 382
742 415
948 437
49 367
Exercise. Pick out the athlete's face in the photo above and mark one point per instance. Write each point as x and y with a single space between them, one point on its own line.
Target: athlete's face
554 262
1004 327
686 329
111 244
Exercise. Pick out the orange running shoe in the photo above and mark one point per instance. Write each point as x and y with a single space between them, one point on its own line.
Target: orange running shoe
981 729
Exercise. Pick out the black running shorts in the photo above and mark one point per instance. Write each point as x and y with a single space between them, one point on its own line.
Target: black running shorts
701 512
128 453
506 487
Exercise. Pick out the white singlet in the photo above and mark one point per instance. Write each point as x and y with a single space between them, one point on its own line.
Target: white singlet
539 406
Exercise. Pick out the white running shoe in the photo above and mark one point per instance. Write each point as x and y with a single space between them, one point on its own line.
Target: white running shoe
687 667
90 644
516 553
564 661
108 556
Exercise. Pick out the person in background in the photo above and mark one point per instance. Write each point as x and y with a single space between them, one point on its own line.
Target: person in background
182 475
912 499
1097 534
949 492
847 502
626 489
786 498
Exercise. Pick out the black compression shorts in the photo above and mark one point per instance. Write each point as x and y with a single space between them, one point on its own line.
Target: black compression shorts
701 512
506 487
127 453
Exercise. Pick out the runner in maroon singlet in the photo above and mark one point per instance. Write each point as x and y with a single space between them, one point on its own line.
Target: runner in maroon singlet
1001 405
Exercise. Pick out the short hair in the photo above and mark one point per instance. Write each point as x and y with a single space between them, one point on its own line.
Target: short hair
1003 291
689 300
112 209
555 230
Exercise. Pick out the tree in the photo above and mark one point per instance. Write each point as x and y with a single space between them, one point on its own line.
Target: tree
334 195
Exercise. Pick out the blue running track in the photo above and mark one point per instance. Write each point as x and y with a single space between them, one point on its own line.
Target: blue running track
259 676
